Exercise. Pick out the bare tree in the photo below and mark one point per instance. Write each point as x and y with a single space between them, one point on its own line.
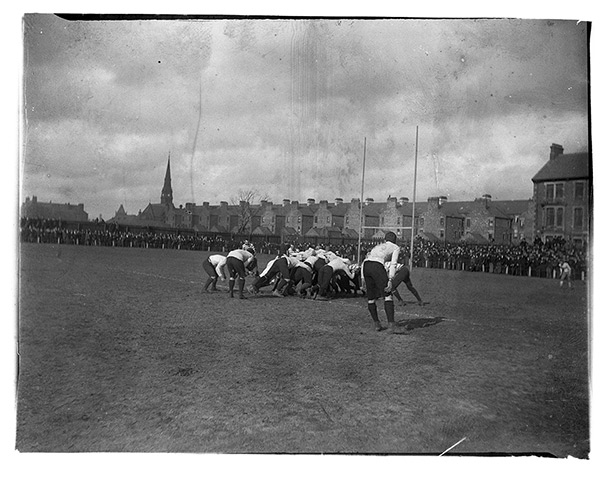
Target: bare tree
250 205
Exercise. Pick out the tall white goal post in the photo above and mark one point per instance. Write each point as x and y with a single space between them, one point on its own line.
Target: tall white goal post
414 199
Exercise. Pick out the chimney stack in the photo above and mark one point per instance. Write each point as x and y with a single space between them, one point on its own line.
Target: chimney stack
286 202
310 201
555 151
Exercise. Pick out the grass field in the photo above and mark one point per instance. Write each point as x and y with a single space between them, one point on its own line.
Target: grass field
119 351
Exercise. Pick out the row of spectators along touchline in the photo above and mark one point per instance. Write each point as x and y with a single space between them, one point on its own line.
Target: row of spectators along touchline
535 259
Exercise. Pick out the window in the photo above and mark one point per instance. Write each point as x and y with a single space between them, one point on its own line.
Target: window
550 217
382 221
579 190
491 222
578 218
468 222
441 233
554 217
442 221
421 221
555 191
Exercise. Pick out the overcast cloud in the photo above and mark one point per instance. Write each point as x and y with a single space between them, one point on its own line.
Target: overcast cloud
283 107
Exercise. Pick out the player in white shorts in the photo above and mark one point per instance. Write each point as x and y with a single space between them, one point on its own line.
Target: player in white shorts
565 273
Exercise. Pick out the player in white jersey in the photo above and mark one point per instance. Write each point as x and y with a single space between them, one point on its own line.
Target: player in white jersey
280 265
328 271
237 261
214 267
565 273
301 276
379 281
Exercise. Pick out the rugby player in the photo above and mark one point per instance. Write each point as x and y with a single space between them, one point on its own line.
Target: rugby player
280 265
565 273
214 267
328 271
402 275
379 281
237 261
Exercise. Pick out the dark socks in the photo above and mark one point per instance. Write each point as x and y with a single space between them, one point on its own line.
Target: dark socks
389 310
373 312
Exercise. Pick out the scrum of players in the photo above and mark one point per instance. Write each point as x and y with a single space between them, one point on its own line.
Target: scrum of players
318 274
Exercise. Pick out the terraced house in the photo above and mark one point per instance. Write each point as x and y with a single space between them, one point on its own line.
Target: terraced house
560 207
562 193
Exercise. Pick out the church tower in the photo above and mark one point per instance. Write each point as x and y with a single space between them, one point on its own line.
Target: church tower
167 192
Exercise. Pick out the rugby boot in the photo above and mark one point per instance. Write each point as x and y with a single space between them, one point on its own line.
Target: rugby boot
379 327
207 284
241 285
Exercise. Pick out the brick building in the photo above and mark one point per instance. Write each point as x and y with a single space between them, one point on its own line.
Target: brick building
562 195
32 208
559 208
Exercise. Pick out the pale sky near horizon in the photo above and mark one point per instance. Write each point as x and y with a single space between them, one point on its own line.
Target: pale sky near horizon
282 106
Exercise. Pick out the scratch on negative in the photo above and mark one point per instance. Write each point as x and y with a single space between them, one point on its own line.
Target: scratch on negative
324 410
450 448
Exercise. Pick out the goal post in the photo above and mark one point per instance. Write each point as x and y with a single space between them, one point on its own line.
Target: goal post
414 199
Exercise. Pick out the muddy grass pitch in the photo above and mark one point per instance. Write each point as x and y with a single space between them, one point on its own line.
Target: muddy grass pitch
120 351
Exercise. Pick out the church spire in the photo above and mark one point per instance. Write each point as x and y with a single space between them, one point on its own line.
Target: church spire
167 192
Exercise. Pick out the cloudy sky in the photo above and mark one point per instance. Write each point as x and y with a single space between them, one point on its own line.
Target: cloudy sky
282 106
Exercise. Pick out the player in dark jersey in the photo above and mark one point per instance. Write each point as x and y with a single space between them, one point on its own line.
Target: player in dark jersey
402 275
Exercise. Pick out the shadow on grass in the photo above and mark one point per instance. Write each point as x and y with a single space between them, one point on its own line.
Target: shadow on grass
413 323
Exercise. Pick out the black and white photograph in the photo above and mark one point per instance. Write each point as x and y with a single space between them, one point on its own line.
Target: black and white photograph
329 235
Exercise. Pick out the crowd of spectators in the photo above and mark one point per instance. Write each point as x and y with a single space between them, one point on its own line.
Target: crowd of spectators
537 259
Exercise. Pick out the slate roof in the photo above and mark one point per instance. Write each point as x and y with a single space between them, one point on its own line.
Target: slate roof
419 208
156 209
62 211
313 232
512 207
339 210
570 166
350 233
